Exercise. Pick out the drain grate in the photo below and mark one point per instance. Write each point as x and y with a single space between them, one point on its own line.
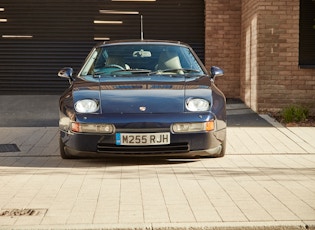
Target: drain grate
9 148
22 212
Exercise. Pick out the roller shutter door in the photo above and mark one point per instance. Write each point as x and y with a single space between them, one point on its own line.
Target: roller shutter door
38 37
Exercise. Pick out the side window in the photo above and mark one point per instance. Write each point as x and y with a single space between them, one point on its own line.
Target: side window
89 64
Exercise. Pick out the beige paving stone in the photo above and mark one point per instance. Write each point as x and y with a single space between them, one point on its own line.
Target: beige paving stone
129 215
253 210
231 213
288 139
180 213
259 142
106 218
107 212
205 213
267 176
80 217
171 190
236 137
28 220
153 217
7 221
54 220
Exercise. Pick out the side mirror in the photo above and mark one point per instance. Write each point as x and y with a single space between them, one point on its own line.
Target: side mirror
66 72
216 72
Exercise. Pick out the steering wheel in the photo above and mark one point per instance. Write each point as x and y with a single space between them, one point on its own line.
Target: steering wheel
116 66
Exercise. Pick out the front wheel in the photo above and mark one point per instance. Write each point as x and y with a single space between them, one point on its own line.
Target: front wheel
221 153
63 153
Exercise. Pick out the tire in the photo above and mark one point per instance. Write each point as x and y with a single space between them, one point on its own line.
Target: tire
222 153
63 153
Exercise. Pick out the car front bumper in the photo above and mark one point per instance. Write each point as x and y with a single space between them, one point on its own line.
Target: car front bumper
192 144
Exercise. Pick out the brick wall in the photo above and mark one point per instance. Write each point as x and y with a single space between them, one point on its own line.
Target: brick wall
274 79
256 42
249 53
223 21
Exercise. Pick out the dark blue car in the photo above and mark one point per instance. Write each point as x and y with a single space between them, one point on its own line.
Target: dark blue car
142 98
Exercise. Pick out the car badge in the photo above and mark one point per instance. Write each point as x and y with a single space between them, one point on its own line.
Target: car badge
142 108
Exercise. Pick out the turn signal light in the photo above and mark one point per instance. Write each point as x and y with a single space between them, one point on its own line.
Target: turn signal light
210 125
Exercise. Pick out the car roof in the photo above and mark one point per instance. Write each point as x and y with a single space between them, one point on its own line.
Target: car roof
134 42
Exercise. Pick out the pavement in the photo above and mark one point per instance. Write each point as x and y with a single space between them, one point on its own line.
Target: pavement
265 181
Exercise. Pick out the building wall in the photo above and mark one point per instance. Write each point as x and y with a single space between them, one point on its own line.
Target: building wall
277 80
249 53
261 62
222 42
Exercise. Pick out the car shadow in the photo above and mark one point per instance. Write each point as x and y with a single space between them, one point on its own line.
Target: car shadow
145 168
44 162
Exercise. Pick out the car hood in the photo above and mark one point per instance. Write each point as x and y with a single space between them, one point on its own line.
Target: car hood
143 96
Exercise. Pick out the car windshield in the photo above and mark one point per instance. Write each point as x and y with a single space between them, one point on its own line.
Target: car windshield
136 59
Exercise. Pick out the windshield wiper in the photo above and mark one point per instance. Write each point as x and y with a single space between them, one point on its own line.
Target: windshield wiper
122 71
177 71
98 74
133 71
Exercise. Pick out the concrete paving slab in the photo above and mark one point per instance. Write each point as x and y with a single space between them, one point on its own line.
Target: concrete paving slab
252 187
29 110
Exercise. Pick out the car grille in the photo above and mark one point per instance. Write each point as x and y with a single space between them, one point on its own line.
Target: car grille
138 150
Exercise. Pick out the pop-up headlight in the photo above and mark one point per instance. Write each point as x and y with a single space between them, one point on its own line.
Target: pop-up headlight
86 106
197 104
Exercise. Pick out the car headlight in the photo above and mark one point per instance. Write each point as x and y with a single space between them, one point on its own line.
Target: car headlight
86 106
197 104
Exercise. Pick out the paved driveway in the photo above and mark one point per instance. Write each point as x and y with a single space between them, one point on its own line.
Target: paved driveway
266 179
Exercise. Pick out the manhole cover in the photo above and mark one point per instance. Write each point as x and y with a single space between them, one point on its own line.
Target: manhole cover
9 148
22 212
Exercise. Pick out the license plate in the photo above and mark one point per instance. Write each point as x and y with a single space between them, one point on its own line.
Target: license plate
143 138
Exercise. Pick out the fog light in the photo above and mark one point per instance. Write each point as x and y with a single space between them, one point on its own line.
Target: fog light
92 128
181 127
193 127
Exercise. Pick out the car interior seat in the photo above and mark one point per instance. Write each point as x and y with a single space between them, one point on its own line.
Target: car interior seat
116 60
168 60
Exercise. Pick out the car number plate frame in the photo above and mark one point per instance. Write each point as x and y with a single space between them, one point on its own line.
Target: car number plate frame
141 139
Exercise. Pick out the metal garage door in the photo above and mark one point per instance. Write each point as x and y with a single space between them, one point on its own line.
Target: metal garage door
37 37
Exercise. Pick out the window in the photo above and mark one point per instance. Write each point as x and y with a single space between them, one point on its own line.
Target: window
307 34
